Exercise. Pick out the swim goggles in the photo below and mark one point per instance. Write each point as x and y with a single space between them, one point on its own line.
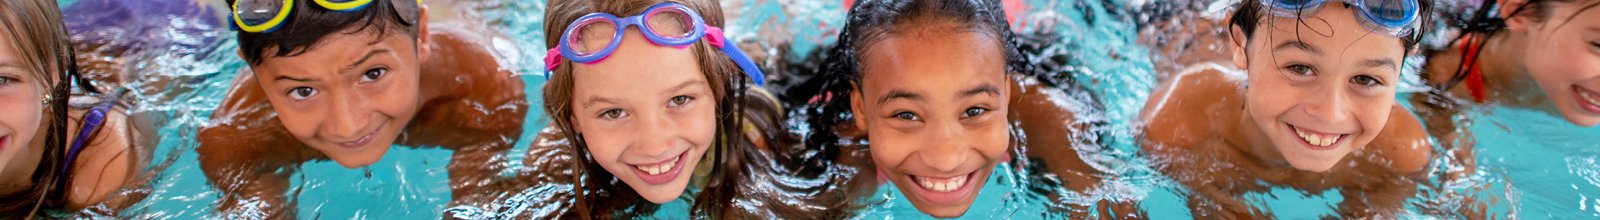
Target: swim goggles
263 16
665 24
1396 18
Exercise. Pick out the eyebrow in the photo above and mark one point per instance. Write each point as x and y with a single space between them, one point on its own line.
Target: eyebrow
364 58
1297 45
1379 63
981 89
899 94
353 65
674 89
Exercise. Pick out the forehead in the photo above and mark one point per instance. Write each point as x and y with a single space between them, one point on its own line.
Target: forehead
1335 29
636 67
932 59
334 51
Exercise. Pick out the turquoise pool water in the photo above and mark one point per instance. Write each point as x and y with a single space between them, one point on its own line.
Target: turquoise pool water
1530 164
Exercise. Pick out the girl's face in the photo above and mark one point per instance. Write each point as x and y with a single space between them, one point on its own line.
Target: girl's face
1319 87
933 104
21 112
647 113
1563 57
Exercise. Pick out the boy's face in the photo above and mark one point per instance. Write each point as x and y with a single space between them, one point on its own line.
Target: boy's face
349 96
1321 88
933 104
647 114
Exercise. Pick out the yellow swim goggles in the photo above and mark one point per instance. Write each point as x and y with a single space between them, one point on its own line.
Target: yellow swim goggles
263 16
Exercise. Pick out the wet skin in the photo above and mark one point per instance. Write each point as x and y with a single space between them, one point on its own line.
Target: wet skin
1222 139
107 163
651 134
463 101
935 122
1549 64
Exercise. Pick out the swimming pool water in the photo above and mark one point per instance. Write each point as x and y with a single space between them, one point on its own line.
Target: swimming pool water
1530 164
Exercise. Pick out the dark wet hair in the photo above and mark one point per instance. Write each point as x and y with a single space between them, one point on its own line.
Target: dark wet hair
872 21
40 37
1249 15
601 194
308 24
1486 21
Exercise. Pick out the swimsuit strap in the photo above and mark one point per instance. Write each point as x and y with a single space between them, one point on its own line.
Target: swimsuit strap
1475 72
91 122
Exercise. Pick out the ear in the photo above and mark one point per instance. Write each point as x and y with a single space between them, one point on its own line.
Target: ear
1238 40
1515 22
423 50
856 110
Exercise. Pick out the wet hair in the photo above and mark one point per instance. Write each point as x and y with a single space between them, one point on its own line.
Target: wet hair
40 37
1486 21
308 24
872 21
1249 16
600 195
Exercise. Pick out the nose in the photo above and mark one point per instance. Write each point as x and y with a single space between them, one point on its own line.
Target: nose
1328 105
950 147
345 118
656 135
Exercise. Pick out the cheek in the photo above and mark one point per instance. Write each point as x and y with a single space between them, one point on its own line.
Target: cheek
604 144
700 125
21 115
889 147
398 98
298 122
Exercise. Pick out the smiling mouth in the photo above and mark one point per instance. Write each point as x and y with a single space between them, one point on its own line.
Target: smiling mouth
1587 99
661 172
358 143
1317 140
944 190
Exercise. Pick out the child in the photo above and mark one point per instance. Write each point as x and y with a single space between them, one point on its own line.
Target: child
932 86
1537 54
645 94
345 81
1315 111
54 156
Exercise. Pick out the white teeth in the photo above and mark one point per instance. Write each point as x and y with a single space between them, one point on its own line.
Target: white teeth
658 168
1589 97
942 184
1315 139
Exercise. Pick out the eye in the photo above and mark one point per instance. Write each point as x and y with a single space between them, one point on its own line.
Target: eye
680 101
302 93
374 74
974 112
613 114
6 81
907 116
1366 80
1299 69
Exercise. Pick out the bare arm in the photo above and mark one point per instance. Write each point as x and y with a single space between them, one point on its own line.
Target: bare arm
248 155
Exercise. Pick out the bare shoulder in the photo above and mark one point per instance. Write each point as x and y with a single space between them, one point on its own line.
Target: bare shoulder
107 162
1403 142
1184 111
244 132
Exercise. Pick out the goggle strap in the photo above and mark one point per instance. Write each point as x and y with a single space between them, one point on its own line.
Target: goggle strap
715 38
552 59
